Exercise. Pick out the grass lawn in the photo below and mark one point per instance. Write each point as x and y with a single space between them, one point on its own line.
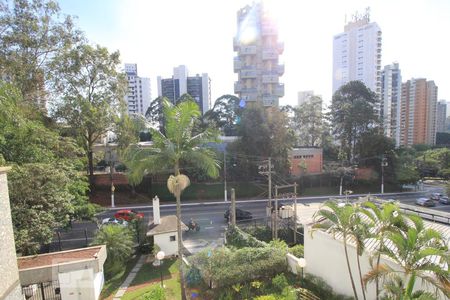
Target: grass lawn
148 278
112 284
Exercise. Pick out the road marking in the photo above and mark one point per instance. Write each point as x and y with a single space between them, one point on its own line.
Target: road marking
209 227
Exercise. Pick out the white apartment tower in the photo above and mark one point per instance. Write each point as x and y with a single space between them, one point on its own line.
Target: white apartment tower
257 61
139 93
357 54
198 87
390 104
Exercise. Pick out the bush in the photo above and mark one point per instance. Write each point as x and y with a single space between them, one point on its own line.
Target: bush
279 283
297 250
226 267
87 211
239 239
193 276
155 294
320 288
266 297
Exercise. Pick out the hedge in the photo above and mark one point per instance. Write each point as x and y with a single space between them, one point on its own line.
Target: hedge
225 267
237 238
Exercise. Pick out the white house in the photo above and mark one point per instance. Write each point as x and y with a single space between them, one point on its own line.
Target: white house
73 274
164 230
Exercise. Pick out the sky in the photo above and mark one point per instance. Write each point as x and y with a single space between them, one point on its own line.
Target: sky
159 35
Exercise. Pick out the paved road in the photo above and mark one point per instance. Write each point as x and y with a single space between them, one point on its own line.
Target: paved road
210 216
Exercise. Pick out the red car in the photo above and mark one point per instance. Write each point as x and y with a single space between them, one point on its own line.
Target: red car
128 214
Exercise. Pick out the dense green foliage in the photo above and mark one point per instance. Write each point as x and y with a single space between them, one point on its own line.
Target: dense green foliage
297 250
226 267
46 188
308 123
32 35
119 246
155 294
352 115
235 237
91 92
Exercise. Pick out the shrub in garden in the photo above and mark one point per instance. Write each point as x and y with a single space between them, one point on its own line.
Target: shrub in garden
279 283
266 297
155 294
239 239
193 276
226 267
297 250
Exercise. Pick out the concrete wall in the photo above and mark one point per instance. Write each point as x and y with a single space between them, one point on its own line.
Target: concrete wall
292 262
80 284
325 258
163 241
9 283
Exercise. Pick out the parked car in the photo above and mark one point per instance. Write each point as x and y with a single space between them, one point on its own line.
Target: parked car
114 221
128 214
240 214
444 200
435 196
425 202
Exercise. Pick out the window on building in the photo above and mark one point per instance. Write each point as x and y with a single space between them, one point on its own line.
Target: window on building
173 238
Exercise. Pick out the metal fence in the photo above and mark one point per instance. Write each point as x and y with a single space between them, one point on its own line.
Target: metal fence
42 291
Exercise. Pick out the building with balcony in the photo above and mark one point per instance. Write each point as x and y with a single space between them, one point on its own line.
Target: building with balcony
418 112
391 90
139 93
257 62
198 87
357 54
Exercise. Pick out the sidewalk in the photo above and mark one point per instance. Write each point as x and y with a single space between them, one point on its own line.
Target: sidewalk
123 288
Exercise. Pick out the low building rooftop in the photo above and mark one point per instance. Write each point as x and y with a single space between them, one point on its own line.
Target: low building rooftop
167 224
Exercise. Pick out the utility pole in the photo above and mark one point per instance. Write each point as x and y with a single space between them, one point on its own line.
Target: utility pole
275 236
225 173
233 207
267 170
383 164
295 213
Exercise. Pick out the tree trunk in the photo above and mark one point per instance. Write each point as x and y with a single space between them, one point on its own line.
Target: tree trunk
91 167
377 279
360 276
410 286
180 244
349 269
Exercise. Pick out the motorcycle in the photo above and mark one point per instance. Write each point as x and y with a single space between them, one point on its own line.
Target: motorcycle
193 226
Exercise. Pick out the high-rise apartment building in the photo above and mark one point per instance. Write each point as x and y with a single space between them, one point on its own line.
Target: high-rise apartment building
357 54
391 90
198 87
139 93
257 62
441 116
418 112
304 96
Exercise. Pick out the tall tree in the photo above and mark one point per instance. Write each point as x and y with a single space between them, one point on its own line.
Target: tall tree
225 114
308 121
175 150
154 113
45 184
32 34
91 91
264 133
352 114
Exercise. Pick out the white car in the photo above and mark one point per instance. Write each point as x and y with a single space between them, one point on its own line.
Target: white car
114 221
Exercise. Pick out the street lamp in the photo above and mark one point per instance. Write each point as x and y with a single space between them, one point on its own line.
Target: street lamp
160 256
302 265
112 195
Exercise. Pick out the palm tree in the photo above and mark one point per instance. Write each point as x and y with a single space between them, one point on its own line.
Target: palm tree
382 222
340 222
119 245
359 231
177 147
420 253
